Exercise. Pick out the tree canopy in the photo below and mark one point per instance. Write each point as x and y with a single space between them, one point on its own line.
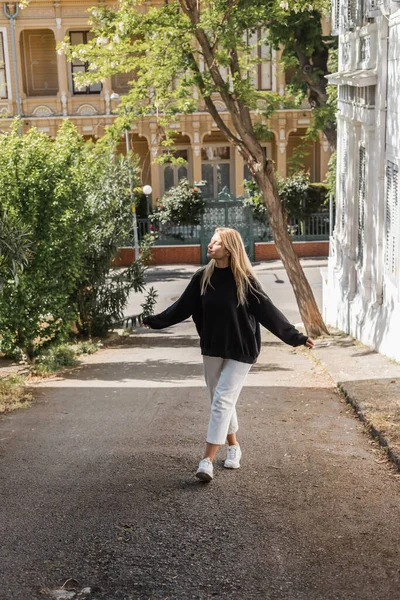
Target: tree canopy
185 51
182 49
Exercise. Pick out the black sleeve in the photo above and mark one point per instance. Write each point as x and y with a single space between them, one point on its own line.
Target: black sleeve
181 309
272 319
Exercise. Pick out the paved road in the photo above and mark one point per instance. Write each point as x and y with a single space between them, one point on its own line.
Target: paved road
97 484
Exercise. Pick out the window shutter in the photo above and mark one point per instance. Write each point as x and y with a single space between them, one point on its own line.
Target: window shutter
39 62
3 79
353 11
361 204
343 174
392 216
335 15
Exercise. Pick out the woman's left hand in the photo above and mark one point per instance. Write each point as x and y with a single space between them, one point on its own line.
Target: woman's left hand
310 343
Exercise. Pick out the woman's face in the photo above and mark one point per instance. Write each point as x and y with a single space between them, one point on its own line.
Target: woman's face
216 248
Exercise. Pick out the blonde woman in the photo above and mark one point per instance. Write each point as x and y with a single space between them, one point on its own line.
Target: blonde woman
227 304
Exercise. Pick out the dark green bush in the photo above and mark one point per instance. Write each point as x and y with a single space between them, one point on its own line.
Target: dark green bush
74 198
181 205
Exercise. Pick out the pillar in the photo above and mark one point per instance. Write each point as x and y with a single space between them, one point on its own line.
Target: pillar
280 73
62 66
155 167
324 156
106 94
239 173
196 155
281 156
19 74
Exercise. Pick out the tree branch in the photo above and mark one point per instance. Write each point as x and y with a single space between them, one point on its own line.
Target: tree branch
231 6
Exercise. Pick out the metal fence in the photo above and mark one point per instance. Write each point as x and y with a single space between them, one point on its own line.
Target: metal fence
314 227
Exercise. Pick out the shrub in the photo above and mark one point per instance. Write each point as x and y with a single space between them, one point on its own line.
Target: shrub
299 196
13 394
254 200
293 192
88 347
181 205
317 197
54 359
74 196
149 303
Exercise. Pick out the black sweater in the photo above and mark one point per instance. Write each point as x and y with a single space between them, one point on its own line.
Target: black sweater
226 329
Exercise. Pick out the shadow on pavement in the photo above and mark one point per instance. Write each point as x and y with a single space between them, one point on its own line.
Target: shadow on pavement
97 484
151 370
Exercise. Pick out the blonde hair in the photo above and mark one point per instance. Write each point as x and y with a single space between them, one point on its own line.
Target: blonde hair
242 269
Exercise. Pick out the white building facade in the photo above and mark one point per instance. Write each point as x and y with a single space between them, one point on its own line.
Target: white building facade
362 283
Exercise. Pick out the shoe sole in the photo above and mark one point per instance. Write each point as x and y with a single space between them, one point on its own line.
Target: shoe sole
229 467
203 476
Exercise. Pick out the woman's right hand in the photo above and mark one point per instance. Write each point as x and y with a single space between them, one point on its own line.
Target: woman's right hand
310 343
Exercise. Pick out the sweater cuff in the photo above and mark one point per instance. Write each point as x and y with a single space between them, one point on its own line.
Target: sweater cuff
302 339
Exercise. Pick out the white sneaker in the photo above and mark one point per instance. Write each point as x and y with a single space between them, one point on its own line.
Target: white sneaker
205 470
233 456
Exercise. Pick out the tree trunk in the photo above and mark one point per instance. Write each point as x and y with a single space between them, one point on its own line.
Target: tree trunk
308 308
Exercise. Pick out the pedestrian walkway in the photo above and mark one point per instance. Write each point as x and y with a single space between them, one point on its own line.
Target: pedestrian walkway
97 484
371 383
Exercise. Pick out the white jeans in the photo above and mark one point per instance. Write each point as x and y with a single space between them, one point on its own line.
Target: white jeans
224 379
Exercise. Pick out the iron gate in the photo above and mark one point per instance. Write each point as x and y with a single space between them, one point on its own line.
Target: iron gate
229 213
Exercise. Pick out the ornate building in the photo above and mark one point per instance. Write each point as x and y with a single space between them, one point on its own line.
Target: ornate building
362 286
37 84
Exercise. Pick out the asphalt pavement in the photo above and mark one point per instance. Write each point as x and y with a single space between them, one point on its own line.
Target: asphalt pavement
97 485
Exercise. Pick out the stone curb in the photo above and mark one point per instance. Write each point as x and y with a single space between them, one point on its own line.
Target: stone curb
350 399
372 430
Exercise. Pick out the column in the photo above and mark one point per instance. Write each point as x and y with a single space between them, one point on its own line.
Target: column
281 158
324 156
196 154
155 182
106 93
19 74
155 167
62 65
280 73
239 173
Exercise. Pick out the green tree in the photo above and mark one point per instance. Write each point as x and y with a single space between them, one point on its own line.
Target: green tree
74 198
307 57
203 46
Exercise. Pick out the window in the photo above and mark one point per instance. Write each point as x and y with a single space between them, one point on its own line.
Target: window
351 13
262 75
365 49
39 62
362 96
172 174
120 82
392 218
3 76
361 204
216 170
77 66
335 15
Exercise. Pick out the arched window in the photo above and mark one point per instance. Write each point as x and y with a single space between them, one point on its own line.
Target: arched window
172 174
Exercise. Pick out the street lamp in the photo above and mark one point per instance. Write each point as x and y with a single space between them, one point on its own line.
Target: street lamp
11 11
115 96
147 190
